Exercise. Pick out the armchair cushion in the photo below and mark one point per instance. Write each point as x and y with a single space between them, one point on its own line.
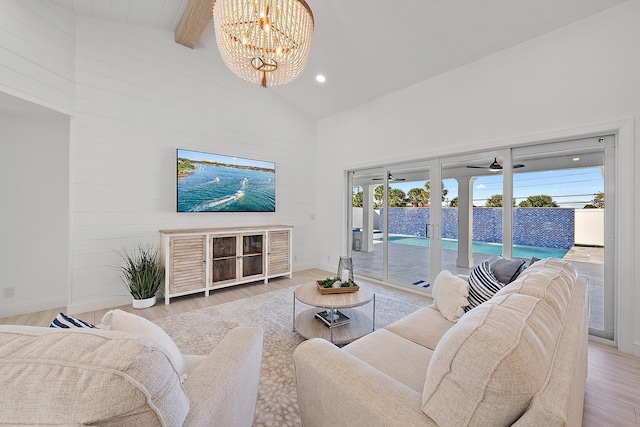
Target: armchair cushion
223 386
119 320
82 376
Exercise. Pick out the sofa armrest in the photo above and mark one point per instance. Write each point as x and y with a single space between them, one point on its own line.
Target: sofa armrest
336 388
223 388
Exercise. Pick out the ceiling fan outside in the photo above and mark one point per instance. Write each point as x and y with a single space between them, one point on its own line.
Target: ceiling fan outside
391 178
495 166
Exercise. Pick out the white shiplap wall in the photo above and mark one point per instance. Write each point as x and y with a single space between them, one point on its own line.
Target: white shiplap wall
37 64
37 53
580 76
139 96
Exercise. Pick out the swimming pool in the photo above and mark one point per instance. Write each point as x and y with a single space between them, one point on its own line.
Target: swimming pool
519 251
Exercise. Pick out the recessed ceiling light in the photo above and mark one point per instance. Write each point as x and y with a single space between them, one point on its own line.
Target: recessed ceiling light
320 78
575 159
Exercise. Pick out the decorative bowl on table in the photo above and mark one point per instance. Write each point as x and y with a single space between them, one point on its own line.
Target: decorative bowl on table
333 285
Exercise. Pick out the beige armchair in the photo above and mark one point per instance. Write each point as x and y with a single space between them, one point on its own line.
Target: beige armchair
113 378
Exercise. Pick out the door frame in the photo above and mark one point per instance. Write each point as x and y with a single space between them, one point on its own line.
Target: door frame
627 291
606 143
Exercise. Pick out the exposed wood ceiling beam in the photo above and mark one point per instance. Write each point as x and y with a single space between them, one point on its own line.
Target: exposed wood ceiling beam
195 19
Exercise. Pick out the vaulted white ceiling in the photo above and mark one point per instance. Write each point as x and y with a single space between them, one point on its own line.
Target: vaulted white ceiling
370 48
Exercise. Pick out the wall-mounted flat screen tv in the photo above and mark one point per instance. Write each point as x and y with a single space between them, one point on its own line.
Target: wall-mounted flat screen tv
216 183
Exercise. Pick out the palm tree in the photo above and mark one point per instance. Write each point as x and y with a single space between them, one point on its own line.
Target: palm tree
539 201
427 187
418 197
357 199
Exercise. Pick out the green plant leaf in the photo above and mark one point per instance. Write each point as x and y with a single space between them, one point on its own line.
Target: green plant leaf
141 271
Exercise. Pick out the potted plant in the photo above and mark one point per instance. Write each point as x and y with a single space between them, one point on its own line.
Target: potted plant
142 274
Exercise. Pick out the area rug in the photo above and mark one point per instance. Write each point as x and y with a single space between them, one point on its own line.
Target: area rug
197 332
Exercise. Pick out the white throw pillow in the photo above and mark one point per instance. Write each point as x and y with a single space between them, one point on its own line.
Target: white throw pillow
450 295
118 320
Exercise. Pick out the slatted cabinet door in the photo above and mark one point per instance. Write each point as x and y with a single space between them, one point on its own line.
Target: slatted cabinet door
279 257
205 259
187 263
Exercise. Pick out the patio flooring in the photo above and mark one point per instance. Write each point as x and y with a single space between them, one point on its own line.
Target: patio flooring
408 266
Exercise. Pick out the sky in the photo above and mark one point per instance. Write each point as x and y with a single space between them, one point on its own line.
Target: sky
571 188
196 155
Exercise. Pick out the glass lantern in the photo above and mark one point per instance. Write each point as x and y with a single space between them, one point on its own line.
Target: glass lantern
345 269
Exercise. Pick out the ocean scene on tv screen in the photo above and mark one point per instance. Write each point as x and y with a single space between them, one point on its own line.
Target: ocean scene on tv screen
215 183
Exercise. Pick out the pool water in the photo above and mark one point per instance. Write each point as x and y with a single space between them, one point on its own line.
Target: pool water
519 251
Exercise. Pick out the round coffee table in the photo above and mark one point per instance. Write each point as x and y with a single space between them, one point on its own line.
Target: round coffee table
306 324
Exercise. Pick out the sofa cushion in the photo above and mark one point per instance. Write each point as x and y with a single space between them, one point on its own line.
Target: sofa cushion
496 357
87 376
482 285
450 295
551 279
560 402
554 266
119 320
397 357
424 327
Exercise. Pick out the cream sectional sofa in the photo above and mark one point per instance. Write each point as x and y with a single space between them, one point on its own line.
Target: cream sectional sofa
518 359
102 377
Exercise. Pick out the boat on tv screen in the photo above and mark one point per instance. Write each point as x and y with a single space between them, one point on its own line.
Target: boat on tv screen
217 183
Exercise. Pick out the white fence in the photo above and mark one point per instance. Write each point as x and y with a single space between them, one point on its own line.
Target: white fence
589 227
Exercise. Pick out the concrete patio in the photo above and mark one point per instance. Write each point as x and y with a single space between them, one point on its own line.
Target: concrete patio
409 266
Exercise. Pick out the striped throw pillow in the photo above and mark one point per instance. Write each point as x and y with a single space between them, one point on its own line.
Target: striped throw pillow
64 321
483 285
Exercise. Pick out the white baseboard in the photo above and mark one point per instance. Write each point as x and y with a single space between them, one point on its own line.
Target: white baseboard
636 348
98 304
326 267
33 306
603 341
302 267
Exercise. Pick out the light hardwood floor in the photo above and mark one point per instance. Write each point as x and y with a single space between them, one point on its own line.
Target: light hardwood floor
612 396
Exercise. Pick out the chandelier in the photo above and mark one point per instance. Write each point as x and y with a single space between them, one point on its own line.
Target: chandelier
263 41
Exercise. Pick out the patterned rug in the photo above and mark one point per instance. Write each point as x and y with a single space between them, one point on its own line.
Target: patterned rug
197 332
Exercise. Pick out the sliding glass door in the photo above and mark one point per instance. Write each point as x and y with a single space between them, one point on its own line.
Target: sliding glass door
528 202
367 238
560 195
407 221
391 223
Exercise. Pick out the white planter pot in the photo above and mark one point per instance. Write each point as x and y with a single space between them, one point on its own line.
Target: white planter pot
144 303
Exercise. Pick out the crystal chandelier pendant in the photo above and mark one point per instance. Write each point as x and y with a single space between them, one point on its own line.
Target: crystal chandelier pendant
263 41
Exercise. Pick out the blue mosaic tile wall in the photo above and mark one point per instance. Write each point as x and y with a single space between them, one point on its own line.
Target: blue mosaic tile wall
541 227
547 227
